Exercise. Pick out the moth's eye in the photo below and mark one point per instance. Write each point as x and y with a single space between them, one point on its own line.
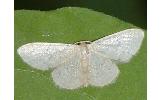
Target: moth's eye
78 43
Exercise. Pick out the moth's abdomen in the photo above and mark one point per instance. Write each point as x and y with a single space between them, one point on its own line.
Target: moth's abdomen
84 68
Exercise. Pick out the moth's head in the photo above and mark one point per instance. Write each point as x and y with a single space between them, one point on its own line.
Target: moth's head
83 42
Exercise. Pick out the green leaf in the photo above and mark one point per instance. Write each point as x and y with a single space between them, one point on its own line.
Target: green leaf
69 25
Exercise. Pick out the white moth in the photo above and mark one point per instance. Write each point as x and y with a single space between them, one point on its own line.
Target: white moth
84 63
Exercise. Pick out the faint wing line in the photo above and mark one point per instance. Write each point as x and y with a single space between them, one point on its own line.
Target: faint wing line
93 50
67 59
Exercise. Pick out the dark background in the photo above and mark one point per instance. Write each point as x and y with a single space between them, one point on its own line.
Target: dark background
133 11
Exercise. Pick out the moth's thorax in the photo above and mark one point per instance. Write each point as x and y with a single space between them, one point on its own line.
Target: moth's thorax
84 46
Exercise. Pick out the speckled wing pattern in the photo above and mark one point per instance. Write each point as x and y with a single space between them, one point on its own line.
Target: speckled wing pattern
68 74
109 50
63 59
121 46
102 70
92 64
44 56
